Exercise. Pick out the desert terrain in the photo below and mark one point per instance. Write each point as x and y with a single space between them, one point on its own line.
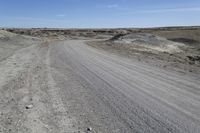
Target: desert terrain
100 80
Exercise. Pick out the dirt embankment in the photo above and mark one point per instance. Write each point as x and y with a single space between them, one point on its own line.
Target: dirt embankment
181 52
62 34
10 42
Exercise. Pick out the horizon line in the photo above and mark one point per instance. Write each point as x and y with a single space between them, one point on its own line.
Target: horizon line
146 27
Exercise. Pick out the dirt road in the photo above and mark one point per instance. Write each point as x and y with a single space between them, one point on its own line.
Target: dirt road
73 87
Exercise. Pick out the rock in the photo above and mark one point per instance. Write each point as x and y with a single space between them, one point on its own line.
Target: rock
29 106
89 129
194 58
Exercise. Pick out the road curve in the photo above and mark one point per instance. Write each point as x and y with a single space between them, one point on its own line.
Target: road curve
112 94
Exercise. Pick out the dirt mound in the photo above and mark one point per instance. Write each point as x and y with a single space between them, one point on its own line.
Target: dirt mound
147 41
186 41
4 35
17 39
10 42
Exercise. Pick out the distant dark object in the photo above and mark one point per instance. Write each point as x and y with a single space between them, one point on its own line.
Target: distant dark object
117 37
194 58
185 40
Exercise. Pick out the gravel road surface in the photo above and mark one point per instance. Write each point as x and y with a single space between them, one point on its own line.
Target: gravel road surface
113 94
69 87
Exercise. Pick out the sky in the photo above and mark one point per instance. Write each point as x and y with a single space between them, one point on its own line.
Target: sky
98 13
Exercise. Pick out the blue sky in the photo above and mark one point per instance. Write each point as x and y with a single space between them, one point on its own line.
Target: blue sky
98 13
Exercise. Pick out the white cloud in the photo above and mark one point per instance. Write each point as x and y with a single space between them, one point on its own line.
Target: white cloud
172 10
112 6
61 15
109 6
187 9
